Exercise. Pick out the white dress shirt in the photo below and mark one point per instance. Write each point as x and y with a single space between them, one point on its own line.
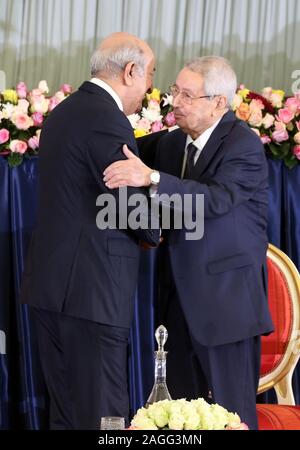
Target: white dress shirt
199 143
108 89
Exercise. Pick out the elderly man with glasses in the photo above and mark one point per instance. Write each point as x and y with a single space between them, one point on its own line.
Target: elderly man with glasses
212 291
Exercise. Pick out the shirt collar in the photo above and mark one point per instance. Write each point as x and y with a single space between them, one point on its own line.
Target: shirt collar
204 137
108 89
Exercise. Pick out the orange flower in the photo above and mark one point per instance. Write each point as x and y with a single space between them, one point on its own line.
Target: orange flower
243 112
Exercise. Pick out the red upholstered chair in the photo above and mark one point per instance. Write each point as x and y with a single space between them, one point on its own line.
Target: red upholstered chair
281 349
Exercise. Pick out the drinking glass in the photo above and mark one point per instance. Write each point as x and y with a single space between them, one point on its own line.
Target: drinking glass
112 423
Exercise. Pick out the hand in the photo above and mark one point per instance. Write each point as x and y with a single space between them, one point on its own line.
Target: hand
145 246
129 172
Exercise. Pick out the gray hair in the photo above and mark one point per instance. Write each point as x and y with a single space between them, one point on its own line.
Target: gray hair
111 61
218 75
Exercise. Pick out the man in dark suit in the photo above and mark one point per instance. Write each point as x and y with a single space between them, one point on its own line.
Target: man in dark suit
212 292
80 280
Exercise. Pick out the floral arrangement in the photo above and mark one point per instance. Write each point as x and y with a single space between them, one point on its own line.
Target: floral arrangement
22 113
157 113
274 118
186 415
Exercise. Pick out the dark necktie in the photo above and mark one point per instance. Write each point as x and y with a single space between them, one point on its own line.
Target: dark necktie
189 165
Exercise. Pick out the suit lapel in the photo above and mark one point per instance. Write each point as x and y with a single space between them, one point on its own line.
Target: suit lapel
213 144
175 158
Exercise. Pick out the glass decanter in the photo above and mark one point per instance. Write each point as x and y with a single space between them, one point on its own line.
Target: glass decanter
160 389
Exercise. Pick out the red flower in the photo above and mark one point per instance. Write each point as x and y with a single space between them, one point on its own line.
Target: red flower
268 106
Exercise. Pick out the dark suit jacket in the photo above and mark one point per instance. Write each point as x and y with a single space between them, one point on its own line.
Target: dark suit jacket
72 266
220 279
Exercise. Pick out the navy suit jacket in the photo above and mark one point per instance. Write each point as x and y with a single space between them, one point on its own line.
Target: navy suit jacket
72 266
221 279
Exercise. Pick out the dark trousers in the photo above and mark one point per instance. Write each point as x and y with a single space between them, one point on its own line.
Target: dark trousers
225 374
85 369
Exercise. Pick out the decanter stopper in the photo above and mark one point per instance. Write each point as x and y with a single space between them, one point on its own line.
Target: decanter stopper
160 389
161 335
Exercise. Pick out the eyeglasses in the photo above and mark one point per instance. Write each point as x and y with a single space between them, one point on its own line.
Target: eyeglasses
185 96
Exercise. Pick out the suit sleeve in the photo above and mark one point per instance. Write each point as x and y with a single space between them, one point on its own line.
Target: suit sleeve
105 147
237 179
148 146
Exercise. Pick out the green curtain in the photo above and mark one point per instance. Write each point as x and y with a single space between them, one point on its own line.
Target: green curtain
53 39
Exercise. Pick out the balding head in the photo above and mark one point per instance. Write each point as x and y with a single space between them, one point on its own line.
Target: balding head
126 64
117 50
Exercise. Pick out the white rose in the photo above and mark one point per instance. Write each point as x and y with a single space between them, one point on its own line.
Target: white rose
220 415
160 416
233 420
143 423
23 105
268 121
133 119
297 138
142 420
43 87
151 114
8 110
191 416
176 421
237 101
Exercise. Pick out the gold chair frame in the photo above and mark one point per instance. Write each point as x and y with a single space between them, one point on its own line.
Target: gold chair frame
281 376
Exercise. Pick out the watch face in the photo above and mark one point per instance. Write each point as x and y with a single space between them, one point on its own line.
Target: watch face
155 177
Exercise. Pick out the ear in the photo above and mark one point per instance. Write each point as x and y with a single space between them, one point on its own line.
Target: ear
129 73
222 102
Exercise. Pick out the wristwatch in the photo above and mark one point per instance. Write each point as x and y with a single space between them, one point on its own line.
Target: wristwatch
155 177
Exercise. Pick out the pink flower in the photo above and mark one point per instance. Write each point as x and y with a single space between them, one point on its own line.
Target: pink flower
280 135
154 104
292 104
298 125
256 104
53 102
17 146
144 124
56 99
21 120
156 126
33 142
285 115
170 120
255 118
4 135
21 90
36 93
37 118
265 139
296 151
279 126
66 88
